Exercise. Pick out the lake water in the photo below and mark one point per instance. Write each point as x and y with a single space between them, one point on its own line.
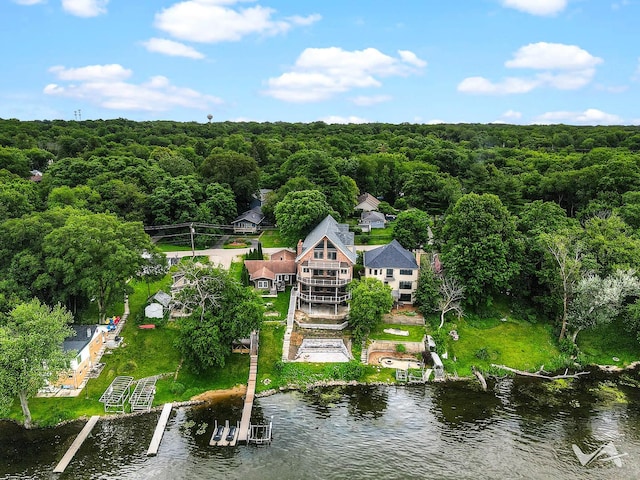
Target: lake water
517 430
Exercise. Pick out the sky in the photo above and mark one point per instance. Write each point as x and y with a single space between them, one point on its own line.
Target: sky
339 61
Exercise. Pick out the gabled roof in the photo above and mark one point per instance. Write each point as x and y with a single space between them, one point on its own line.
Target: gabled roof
254 215
369 199
337 233
392 255
269 269
84 334
162 298
282 255
371 217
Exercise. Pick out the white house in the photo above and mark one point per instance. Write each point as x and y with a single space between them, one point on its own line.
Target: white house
395 266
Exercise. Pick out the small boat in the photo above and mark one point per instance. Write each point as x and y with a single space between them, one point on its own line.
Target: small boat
217 436
232 434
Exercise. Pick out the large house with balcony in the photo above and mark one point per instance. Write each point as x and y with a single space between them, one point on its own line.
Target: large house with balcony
325 266
395 266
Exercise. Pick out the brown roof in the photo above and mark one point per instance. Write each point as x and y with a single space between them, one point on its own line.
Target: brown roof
268 269
283 255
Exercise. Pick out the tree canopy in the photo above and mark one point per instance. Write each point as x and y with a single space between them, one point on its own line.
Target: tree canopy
370 299
31 353
223 311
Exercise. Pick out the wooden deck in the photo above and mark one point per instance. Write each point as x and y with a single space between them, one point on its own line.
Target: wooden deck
77 443
157 435
248 400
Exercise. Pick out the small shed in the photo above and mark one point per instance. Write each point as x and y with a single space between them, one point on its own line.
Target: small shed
154 310
431 344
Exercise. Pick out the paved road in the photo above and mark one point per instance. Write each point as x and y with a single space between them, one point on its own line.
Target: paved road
224 256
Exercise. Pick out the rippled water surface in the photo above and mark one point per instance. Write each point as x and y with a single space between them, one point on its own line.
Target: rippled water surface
443 431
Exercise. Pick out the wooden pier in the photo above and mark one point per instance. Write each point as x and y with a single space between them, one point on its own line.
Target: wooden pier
157 435
77 443
245 422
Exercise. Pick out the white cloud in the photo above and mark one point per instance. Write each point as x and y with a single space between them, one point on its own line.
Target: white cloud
28 2
211 21
591 116
367 101
552 56
508 86
512 114
537 7
171 48
564 67
435 121
85 8
321 73
343 120
411 58
111 72
105 86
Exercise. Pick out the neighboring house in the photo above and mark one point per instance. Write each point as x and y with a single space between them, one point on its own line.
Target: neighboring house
274 274
249 221
367 202
370 220
88 343
325 266
395 266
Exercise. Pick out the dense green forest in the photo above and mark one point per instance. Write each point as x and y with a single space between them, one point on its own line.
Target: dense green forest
542 215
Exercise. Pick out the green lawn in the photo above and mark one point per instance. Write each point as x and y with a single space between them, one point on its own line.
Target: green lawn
143 353
601 344
168 247
516 344
377 236
271 239
416 332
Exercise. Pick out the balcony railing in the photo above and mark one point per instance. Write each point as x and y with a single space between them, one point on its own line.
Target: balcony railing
322 264
324 298
320 282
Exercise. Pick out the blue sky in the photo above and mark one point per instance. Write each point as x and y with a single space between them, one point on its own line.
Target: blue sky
416 61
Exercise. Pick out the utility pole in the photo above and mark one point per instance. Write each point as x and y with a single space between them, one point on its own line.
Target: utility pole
193 248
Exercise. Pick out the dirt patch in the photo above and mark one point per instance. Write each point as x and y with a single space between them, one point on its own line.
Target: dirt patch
374 357
404 315
212 395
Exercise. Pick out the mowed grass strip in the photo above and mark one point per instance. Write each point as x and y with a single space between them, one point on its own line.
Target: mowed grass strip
520 345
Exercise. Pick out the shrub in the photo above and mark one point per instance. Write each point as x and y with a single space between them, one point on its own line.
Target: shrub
177 388
482 354
400 348
346 371
567 347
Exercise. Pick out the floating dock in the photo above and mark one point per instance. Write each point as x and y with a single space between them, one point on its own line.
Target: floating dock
77 443
157 435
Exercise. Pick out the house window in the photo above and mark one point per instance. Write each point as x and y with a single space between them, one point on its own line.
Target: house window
332 255
318 273
375 271
405 285
406 272
389 272
263 284
405 297
344 271
286 278
318 254
305 270
370 271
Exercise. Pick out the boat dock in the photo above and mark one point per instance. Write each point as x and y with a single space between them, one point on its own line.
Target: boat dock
157 435
245 422
77 443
